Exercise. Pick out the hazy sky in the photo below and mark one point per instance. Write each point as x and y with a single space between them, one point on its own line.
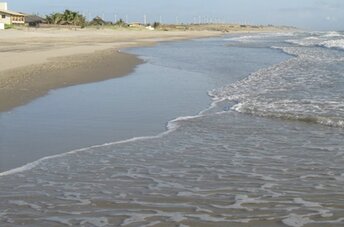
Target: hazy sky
309 14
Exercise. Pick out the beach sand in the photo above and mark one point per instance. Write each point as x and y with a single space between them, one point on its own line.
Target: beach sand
36 61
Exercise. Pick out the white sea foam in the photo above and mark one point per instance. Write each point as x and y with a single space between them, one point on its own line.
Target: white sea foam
332 34
332 40
85 221
289 111
58 220
306 203
246 38
262 92
240 200
338 44
98 222
141 217
23 203
309 41
34 164
295 220
256 37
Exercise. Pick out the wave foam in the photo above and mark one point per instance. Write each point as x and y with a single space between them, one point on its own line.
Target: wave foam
337 44
332 40
307 80
257 37
289 113
333 34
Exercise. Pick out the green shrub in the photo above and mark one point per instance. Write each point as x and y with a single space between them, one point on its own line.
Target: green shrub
68 17
9 26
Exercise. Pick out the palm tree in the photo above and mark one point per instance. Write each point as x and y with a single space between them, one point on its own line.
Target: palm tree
54 18
68 17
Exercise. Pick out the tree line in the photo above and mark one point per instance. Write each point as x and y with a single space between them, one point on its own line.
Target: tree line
68 17
74 18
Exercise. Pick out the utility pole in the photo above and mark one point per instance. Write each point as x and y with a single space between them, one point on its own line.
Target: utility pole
115 17
126 19
144 19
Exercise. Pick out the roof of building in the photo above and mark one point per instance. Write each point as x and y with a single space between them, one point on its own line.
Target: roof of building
12 13
99 21
34 19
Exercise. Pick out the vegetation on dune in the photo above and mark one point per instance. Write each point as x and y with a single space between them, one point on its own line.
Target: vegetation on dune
156 25
121 23
74 18
68 17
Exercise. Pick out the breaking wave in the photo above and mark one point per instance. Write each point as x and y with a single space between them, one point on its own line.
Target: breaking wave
307 87
332 40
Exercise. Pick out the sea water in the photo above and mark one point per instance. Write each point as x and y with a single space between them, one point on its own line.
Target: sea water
268 151
172 82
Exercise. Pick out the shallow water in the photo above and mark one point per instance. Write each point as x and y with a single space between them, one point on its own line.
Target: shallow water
168 85
228 166
213 170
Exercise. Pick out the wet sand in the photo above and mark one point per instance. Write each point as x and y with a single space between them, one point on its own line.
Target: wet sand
36 61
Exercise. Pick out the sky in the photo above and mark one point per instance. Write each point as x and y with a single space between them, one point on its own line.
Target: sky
306 14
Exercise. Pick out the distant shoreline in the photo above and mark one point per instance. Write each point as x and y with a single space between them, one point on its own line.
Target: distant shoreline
37 61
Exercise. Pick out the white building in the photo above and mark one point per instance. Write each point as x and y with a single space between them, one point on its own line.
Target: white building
10 17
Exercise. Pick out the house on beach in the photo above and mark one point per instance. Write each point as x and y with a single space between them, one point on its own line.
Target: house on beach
10 17
34 20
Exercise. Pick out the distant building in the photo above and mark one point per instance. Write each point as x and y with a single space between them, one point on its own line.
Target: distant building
136 25
98 21
34 20
10 17
150 28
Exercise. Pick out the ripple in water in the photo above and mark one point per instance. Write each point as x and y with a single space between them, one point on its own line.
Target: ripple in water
212 170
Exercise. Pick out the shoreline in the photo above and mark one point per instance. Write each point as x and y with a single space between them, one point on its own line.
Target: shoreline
118 116
37 61
47 60
30 82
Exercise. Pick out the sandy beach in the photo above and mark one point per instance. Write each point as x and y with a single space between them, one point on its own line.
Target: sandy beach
36 61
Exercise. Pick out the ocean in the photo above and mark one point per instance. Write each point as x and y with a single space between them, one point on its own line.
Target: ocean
262 144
